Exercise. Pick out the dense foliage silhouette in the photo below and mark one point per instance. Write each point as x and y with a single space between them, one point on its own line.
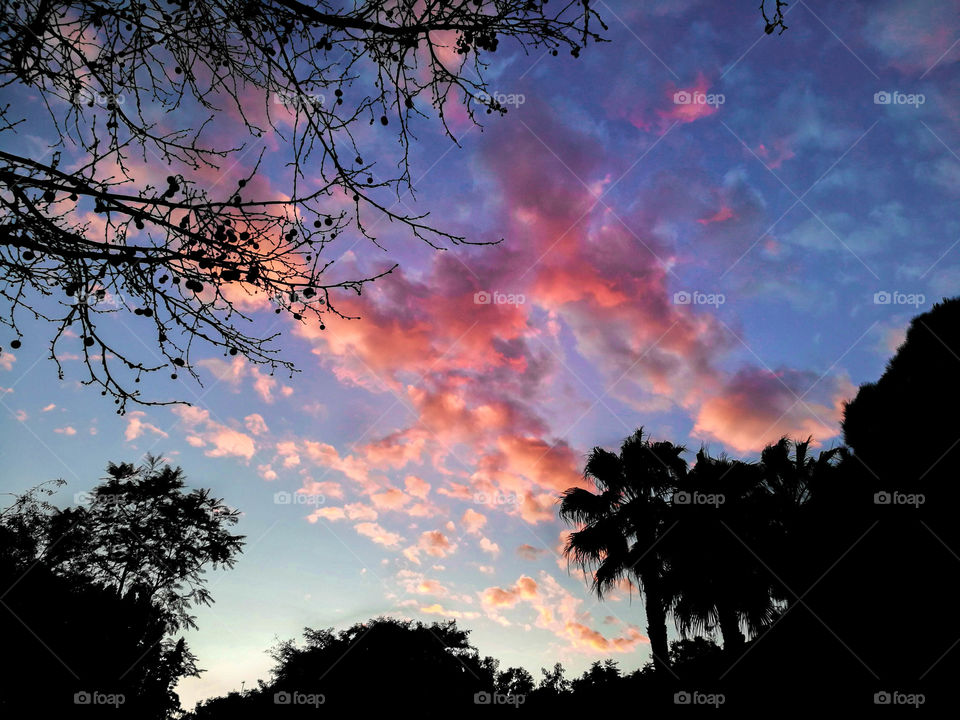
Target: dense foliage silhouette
93 595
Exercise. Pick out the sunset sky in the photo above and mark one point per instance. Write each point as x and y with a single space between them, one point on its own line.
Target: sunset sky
412 468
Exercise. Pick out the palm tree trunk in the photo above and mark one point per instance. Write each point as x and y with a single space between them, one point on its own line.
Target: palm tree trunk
656 623
733 640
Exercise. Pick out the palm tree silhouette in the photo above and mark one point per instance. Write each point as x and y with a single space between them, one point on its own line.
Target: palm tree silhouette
623 523
714 579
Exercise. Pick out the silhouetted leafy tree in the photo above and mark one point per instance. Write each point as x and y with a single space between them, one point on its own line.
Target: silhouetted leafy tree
514 681
91 596
553 680
870 559
596 678
622 524
405 659
114 78
370 666
792 480
140 529
714 578
686 652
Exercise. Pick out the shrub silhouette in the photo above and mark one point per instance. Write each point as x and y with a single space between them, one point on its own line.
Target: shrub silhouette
92 595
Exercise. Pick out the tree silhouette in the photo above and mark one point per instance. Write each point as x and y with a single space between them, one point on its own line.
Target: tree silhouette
714 580
92 596
624 522
84 232
139 529
369 666
709 545
553 681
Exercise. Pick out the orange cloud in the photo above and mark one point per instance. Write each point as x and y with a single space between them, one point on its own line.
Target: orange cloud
757 407
219 439
473 521
377 534
529 552
136 426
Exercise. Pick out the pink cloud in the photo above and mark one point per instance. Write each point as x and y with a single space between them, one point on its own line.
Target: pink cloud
220 440
490 547
497 597
912 37
256 424
436 544
558 611
757 407
136 426
473 521
377 534
390 499
724 213
437 609
690 103
417 487
529 552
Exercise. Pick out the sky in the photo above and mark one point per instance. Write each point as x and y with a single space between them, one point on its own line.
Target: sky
709 232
